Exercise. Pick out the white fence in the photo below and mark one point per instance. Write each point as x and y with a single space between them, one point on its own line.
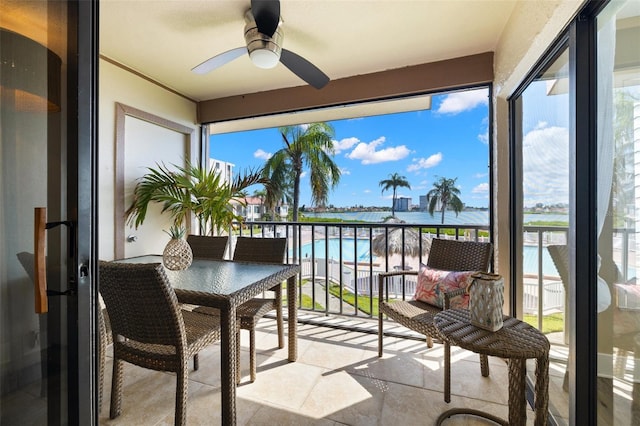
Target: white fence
553 297
359 284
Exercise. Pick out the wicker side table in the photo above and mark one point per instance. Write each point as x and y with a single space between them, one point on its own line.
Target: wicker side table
516 341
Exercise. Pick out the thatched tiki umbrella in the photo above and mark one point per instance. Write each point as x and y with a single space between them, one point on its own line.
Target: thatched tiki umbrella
399 238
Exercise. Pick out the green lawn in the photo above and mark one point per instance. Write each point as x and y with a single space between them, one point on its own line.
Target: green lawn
550 323
306 303
350 298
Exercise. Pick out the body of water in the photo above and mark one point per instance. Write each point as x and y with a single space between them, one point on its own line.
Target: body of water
476 217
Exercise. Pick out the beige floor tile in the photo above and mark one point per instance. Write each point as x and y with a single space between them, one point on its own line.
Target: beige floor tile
287 384
346 398
338 379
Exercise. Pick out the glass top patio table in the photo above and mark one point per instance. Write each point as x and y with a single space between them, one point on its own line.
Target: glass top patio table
225 285
219 280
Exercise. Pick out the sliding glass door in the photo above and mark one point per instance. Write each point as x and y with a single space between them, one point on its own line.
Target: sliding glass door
618 219
47 356
543 217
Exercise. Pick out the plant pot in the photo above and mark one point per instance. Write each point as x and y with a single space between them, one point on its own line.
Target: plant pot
177 255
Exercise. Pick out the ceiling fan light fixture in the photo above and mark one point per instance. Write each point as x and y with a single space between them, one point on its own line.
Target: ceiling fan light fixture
264 51
264 58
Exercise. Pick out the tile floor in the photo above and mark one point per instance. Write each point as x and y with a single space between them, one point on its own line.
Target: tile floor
338 379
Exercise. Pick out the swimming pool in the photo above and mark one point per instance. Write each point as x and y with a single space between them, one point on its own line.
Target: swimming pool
348 247
530 254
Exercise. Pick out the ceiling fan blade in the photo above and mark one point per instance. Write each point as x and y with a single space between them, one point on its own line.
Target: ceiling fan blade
219 60
304 69
267 15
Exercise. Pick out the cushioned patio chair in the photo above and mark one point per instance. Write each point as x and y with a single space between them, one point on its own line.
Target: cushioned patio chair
149 329
444 255
263 250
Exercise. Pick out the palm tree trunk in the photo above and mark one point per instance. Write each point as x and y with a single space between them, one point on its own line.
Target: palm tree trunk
296 201
393 203
443 208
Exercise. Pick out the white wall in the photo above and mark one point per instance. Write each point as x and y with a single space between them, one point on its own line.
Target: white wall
119 85
532 28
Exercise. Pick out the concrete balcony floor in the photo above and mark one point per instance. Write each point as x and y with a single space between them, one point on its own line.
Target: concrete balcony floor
338 379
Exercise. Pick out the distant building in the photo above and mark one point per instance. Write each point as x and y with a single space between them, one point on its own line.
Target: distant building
424 204
402 204
253 209
282 210
224 169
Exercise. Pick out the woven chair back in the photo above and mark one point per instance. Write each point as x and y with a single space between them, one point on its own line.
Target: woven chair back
204 247
265 250
141 303
454 255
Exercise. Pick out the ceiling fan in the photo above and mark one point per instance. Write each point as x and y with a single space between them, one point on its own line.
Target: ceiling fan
264 35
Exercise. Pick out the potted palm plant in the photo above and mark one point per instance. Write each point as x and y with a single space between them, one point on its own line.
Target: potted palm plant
192 190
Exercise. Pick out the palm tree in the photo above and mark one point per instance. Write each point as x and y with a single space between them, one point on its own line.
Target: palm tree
311 146
395 181
444 191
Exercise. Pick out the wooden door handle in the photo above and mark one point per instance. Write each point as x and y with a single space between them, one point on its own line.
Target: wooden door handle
40 270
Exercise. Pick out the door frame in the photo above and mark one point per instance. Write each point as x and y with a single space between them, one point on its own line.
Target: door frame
82 201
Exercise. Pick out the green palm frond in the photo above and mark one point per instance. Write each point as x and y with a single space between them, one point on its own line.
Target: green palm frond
192 189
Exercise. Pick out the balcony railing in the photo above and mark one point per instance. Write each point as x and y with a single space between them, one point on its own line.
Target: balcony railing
340 277
339 267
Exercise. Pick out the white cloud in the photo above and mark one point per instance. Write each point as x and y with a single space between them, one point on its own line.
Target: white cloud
263 155
545 165
303 175
484 137
480 175
344 171
368 154
481 189
367 191
344 144
463 101
425 163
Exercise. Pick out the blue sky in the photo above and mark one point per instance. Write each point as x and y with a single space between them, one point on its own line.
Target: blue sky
449 140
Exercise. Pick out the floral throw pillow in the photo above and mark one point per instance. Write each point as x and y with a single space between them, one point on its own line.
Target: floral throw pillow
434 283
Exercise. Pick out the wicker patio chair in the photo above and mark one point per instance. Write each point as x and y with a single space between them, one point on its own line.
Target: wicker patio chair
205 247
265 250
449 255
104 328
149 329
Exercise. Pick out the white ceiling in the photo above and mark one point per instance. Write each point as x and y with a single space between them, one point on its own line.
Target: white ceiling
164 39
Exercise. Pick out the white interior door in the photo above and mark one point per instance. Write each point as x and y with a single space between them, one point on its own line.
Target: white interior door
148 145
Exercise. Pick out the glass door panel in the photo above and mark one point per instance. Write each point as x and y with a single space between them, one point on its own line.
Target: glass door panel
543 217
618 137
39 361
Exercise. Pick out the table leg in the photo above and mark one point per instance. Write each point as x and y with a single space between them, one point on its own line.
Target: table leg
517 402
542 390
447 372
228 329
292 321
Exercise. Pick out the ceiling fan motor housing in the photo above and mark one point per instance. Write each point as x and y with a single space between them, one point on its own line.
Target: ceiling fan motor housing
264 51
